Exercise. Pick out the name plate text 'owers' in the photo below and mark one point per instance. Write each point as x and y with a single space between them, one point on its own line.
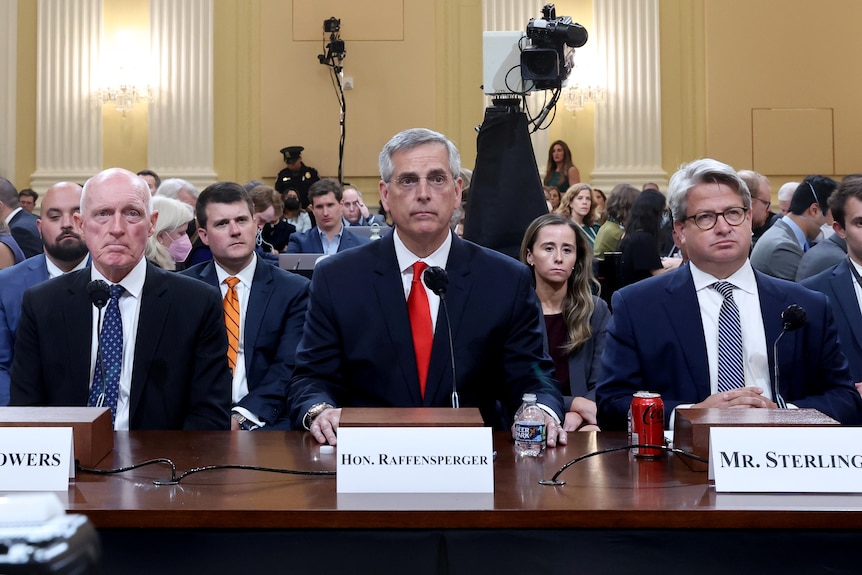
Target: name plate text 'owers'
415 460
36 458
786 459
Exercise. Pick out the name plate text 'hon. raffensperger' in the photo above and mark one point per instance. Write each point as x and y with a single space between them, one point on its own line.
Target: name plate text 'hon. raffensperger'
786 459
36 458
415 460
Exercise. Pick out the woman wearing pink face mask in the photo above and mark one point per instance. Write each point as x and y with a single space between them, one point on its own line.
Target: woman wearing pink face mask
169 245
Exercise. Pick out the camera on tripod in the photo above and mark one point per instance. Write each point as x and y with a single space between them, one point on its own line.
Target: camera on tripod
548 60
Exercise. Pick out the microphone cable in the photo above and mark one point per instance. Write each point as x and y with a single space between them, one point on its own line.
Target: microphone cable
555 481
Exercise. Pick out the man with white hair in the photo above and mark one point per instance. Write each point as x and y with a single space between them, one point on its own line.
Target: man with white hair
785 194
158 360
703 335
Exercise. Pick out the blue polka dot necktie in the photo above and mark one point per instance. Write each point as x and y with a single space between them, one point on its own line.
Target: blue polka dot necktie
110 360
730 370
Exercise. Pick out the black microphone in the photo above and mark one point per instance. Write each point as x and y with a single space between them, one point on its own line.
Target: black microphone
99 293
437 281
792 318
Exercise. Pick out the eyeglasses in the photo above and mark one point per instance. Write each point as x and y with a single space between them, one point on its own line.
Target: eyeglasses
410 183
766 203
707 220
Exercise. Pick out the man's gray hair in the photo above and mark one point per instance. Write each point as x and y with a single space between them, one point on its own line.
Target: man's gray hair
138 184
703 171
412 138
171 187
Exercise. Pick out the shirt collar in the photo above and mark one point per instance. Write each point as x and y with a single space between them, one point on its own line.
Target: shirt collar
133 282
245 275
323 235
54 271
797 231
743 278
12 214
406 258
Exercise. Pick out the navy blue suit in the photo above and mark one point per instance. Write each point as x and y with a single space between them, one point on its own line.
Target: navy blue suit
24 230
180 376
357 349
309 242
273 327
837 283
14 281
656 343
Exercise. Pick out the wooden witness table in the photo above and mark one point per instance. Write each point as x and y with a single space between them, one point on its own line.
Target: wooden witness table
615 514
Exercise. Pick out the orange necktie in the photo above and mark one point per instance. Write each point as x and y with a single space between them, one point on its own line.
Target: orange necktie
420 324
231 320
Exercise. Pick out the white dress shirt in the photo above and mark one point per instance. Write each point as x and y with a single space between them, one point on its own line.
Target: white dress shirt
406 259
54 271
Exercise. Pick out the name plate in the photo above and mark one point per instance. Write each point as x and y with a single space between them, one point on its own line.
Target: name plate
786 459
36 458
415 460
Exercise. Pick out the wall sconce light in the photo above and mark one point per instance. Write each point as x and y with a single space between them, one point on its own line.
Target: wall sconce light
583 86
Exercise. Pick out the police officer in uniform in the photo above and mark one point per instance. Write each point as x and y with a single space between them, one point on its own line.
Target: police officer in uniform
296 175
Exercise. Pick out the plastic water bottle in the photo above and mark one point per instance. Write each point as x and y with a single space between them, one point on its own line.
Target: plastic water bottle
531 433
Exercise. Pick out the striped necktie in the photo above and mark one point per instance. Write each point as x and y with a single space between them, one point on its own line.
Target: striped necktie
730 368
231 320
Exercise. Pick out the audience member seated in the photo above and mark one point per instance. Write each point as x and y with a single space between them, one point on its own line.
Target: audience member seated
785 194
179 189
329 236
294 214
65 251
10 252
553 196
600 201
28 199
761 200
577 206
170 245
842 283
273 232
575 320
780 249
153 180
665 336
371 321
163 364
641 256
21 223
561 171
355 211
619 207
264 306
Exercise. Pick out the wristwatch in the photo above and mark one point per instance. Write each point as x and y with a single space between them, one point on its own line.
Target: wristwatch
313 412
244 423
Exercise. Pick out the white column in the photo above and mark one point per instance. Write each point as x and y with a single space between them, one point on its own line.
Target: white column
8 88
504 15
181 117
628 125
68 119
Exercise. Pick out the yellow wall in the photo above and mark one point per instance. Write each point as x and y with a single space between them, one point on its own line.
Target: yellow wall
25 129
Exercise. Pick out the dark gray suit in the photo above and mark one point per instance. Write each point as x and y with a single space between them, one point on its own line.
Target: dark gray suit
821 257
24 230
777 253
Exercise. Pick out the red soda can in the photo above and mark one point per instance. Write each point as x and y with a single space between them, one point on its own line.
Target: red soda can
646 423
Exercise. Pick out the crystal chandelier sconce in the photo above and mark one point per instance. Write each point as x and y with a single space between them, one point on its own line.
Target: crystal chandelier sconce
124 97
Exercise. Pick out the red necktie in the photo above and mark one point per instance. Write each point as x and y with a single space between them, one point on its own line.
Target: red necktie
420 324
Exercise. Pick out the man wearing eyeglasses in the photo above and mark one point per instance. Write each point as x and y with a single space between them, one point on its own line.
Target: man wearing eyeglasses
704 335
376 334
762 217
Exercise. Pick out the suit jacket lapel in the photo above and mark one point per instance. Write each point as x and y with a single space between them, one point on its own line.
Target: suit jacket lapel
439 384
151 321
680 308
258 300
772 302
78 318
389 291
844 293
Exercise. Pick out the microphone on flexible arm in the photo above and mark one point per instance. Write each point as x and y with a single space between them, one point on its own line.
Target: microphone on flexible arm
437 281
99 293
793 317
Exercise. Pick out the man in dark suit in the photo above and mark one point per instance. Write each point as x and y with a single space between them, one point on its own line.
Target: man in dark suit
65 251
842 284
330 235
272 304
163 364
359 347
703 336
22 224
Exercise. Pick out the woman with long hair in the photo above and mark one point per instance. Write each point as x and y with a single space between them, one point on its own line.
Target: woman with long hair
561 261
618 208
640 246
577 206
561 171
